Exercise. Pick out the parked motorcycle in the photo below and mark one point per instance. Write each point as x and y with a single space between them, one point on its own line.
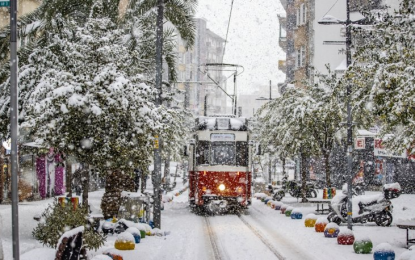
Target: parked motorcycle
359 189
376 208
294 189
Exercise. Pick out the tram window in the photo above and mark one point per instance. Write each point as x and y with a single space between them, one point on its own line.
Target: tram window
223 153
242 153
202 152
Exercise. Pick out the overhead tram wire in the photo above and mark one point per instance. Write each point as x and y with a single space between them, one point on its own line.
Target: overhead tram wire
227 31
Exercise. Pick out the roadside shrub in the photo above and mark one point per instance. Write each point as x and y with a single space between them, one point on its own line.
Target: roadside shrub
58 219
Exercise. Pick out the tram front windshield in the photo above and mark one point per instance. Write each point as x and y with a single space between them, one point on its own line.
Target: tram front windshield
223 153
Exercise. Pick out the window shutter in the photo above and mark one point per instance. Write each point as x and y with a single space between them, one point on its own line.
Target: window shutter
303 56
301 14
298 17
304 13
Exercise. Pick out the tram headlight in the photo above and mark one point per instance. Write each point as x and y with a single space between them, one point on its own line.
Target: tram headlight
222 187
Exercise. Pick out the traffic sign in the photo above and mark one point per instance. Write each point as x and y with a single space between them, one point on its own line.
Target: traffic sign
4 3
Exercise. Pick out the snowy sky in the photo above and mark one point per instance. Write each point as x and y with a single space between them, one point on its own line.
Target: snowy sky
252 39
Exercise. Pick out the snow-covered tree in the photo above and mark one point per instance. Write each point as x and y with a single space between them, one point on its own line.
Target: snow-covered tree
287 125
49 19
383 72
326 114
86 80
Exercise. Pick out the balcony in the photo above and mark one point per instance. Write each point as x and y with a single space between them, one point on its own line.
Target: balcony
282 65
282 42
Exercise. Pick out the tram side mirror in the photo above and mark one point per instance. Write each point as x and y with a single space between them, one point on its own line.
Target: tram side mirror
258 150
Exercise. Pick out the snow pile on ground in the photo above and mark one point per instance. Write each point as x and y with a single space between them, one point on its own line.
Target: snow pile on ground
140 226
38 254
383 247
101 257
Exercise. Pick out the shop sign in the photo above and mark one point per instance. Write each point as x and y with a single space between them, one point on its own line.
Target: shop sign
380 150
359 143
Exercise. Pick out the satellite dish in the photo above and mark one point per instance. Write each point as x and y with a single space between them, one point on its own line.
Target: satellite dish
7 144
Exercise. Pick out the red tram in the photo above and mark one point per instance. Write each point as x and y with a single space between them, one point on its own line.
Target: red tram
219 164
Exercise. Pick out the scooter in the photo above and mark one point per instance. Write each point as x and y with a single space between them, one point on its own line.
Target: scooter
376 208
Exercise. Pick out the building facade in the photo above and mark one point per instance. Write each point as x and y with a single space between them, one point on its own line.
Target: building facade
197 75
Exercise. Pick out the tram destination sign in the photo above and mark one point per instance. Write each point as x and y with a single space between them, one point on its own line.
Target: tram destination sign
4 3
222 137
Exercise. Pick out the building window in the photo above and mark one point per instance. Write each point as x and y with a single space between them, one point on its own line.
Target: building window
298 17
303 13
303 56
300 55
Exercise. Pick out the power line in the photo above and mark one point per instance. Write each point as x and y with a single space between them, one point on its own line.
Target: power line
227 31
330 8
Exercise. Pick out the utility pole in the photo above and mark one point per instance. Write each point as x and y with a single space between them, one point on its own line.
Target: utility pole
156 175
14 127
349 121
269 169
349 152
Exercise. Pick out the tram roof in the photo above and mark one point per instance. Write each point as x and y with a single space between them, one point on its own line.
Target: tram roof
221 123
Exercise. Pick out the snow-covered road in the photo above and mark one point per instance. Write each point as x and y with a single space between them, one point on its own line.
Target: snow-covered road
258 233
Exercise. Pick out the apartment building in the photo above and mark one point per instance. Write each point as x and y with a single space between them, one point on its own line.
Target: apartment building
310 46
196 77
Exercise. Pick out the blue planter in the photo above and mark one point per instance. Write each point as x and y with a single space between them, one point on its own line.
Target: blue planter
137 238
384 255
151 224
296 215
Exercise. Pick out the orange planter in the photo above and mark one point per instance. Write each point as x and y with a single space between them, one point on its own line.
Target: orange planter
319 227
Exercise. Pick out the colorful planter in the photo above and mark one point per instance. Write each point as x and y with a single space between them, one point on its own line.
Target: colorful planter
283 209
362 246
142 233
135 232
288 211
277 205
310 220
321 224
345 237
383 251
331 230
125 241
296 214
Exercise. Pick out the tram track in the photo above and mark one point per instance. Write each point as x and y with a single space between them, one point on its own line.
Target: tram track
213 240
262 238
221 254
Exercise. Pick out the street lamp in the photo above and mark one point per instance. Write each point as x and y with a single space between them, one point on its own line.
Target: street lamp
327 20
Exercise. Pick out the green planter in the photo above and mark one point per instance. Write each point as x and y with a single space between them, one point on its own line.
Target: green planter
142 233
362 246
